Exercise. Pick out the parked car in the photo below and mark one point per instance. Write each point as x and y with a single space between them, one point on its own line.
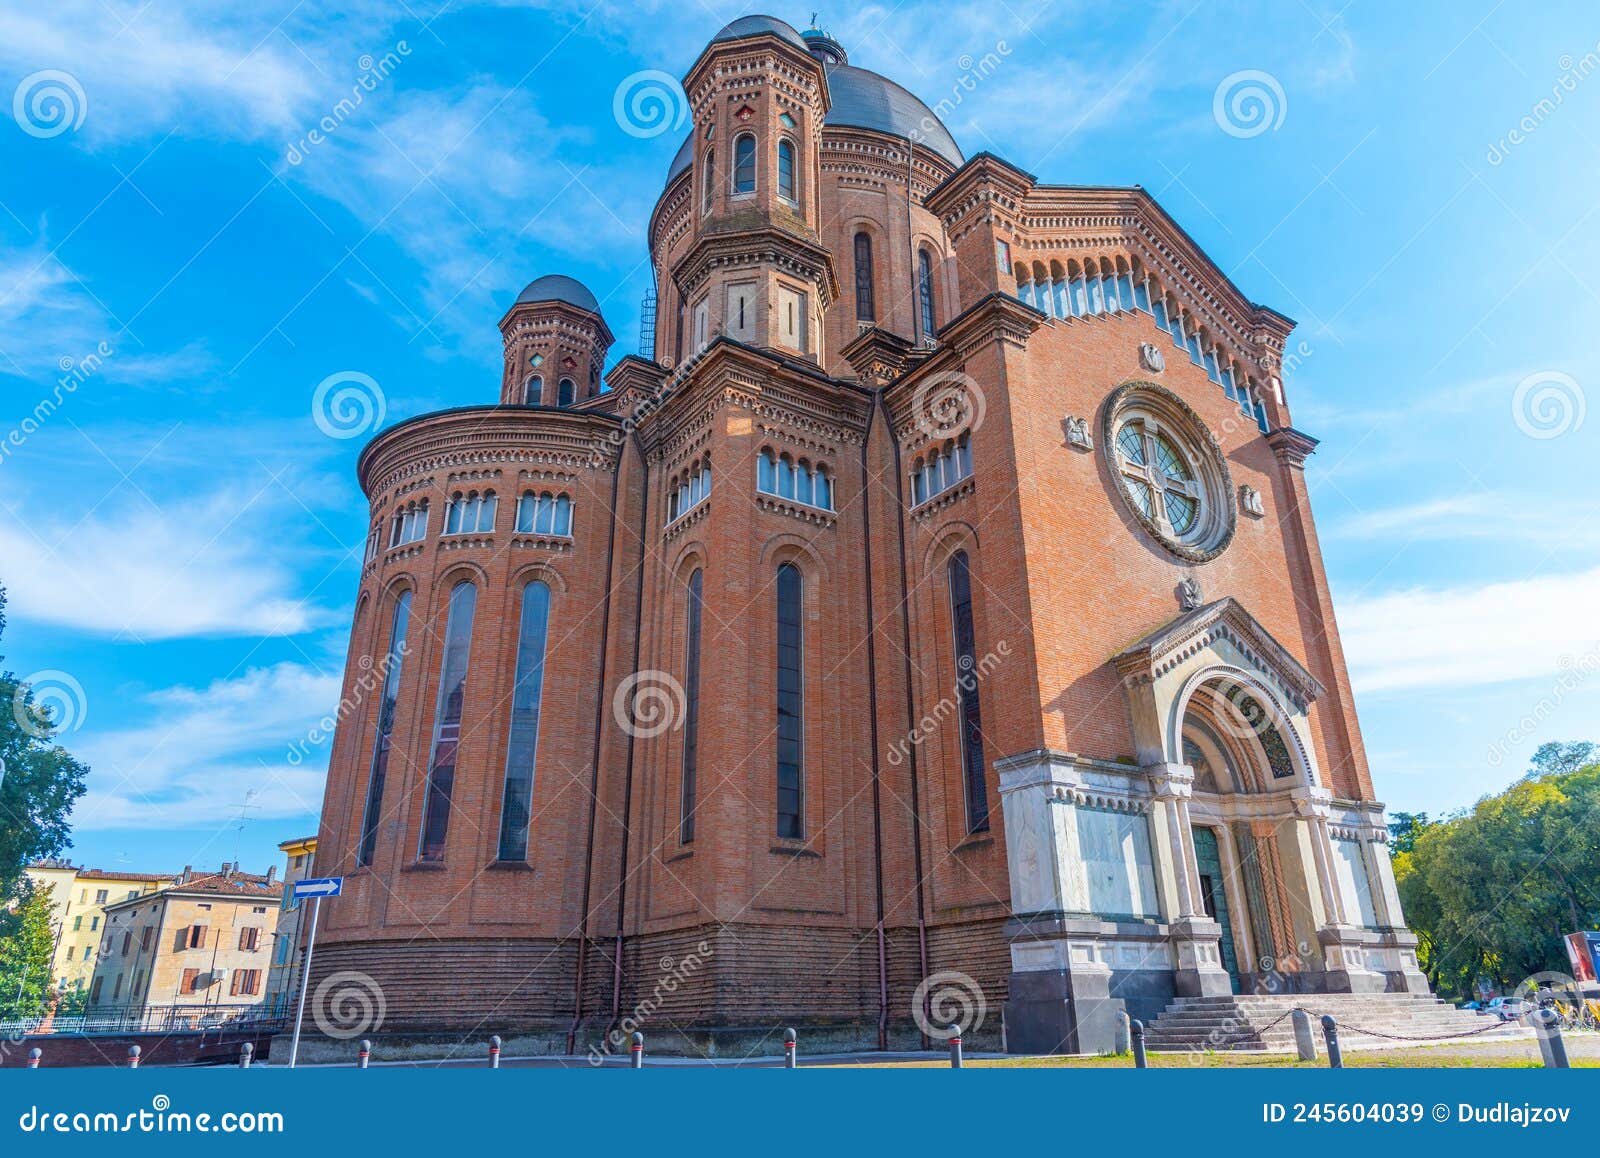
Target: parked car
1507 1008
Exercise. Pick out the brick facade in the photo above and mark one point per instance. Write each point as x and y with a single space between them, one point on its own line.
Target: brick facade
892 882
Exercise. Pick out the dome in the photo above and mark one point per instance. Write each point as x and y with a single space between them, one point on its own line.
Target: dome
757 26
558 287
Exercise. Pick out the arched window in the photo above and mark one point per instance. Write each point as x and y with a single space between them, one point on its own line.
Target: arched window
744 165
866 308
447 722
382 740
925 292
567 393
801 481
544 514
943 469
787 189
410 524
790 703
708 183
516 807
470 513
691 707
971 723
533 390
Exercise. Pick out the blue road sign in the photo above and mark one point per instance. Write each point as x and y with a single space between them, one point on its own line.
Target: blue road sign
319 887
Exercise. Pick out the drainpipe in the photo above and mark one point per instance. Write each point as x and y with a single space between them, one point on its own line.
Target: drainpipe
872 715
594 772
911 708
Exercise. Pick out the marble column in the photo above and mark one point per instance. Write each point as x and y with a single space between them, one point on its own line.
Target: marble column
1195 937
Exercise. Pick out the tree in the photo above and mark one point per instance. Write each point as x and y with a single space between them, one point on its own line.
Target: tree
1404 829
27 949
1491 892
1560 756
39 780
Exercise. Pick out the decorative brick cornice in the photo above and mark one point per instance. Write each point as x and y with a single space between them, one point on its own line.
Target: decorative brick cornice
1291 447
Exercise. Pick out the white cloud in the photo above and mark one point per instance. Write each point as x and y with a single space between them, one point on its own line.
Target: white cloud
1465 636
205 750
195 567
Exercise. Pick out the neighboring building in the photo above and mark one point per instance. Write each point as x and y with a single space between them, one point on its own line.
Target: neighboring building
288 940
199 948
81 897
1000 655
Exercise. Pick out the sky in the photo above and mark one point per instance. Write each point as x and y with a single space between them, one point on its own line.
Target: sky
235 239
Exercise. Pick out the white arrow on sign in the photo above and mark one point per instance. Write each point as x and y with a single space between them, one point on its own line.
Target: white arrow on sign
319 887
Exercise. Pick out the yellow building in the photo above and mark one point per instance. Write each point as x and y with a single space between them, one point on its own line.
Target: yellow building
81 897
288 941
199 948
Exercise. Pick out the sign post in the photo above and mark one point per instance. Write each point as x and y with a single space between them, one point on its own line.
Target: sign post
316 888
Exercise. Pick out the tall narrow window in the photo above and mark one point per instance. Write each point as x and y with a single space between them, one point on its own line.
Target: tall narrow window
516 808
791 707
447 721
786 185
708 184
967 693
744 165
533 392
567 393
691 707
866 308
385 733
925 292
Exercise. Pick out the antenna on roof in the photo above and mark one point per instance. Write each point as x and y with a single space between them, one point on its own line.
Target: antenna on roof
242 819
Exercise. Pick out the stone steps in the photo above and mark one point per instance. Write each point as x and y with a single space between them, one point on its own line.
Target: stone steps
1261 1023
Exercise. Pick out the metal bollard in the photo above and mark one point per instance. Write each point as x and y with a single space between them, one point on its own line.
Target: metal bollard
1136 1036
364 1054
494 1052
34 1055
246 1054
1305 1043
1552 1047
789 1049
133 1057
955 1047
1330 1032
637 1048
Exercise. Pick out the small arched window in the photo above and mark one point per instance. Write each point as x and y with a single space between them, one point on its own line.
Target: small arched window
767 473
801 481
708 183
925 292
744 165
544 514
787 189
566 393
533 390
866 308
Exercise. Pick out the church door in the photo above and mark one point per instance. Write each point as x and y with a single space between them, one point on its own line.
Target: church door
1208 861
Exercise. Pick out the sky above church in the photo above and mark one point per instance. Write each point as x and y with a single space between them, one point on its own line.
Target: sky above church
224 229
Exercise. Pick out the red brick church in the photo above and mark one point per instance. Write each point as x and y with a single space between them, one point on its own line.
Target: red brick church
934 628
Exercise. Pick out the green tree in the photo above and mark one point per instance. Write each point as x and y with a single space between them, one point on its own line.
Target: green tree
1404 829
1491 892
1559 756
27 947
39 780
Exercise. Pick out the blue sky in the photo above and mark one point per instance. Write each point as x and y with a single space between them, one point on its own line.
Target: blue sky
180 537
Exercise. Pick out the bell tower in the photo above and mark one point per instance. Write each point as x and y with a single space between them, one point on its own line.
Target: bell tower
757 270
555 344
